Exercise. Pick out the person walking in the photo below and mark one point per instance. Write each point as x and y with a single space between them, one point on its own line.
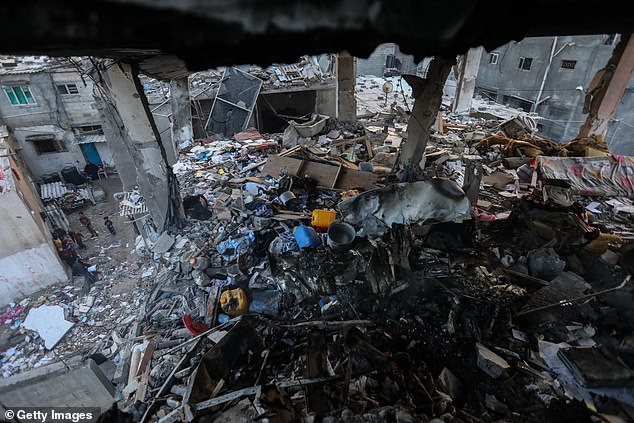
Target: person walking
109 225
84 220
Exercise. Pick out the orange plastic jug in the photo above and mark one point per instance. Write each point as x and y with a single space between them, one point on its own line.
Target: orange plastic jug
234 302
322 219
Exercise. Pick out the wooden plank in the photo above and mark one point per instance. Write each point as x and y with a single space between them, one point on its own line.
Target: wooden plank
143 384
147 357
350 179
368 146
334 181
441 129
276 164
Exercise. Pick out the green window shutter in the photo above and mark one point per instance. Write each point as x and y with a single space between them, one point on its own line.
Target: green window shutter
19 94
11 96
27 93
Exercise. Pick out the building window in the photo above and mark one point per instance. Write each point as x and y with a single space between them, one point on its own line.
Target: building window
488 94
88 130
525 63
19 95
67 89
49 145
517 103
493 58
568 64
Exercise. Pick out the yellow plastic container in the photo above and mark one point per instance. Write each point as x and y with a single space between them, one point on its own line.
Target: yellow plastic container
322 219
234 302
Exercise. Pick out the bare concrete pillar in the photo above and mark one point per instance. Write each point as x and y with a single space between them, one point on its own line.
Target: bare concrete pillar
607 87
427 99
468 65
141 139
346 79
113 130
182 131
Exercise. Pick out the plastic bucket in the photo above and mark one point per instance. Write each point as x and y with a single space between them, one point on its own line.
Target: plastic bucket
286 196
340 236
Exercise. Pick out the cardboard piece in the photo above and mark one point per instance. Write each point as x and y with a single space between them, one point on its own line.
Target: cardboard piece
326 176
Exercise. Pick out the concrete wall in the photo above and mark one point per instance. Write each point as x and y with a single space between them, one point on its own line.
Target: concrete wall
375 63
105 153
58 385
162 114
41 164
326 102
116 141
80 108
28 261
562 101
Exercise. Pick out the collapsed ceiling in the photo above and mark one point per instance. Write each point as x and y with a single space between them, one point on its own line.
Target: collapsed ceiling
209 33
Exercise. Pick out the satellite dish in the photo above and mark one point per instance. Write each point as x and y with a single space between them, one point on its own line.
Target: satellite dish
388 87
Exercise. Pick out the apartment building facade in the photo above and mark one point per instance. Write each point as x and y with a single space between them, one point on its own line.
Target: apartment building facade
50 109
550 76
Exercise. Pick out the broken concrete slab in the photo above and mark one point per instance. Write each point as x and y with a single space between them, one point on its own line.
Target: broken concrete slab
449 383
566 286
49 323
436 200
491 363
163 243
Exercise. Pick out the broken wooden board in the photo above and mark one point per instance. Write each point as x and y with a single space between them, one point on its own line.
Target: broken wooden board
326 176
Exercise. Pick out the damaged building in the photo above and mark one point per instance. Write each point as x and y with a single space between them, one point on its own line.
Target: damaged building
267 252
52 114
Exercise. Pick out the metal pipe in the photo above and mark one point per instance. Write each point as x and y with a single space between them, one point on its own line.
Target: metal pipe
550 61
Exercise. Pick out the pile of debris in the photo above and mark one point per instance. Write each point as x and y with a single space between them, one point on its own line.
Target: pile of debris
307 286
309 283
68 320
307 71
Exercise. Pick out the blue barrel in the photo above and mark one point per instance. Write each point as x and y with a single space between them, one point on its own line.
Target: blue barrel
306 237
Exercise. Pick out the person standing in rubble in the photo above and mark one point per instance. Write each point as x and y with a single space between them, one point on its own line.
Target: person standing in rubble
78 238
84 220
109 225
67 252
58 233
81 269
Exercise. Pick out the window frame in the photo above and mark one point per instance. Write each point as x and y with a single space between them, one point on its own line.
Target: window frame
66 88
568 61
25 93
522 63
88 130
58 145
494 56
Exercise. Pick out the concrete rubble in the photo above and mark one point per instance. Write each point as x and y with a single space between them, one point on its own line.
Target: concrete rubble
455 299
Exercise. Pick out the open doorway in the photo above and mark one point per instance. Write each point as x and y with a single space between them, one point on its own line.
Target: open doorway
91 154
274 110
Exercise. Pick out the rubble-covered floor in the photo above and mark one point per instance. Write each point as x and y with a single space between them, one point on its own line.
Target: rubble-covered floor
98 312
489 291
